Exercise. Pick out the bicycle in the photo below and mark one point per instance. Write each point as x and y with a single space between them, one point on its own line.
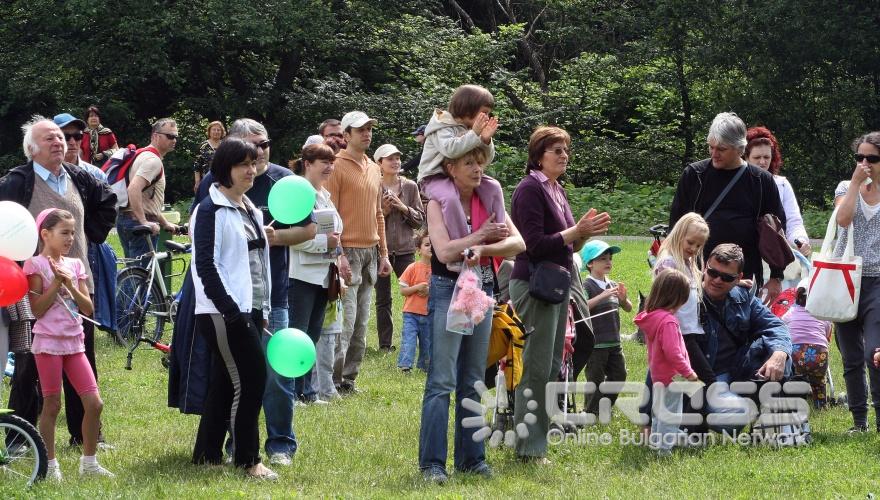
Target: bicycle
144 304
23 455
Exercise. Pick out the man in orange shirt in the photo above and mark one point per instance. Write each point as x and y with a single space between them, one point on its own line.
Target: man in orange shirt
356 188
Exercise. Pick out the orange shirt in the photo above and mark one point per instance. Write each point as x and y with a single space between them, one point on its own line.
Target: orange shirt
417 272
355 188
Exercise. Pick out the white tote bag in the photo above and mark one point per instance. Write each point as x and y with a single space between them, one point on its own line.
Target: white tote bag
835 282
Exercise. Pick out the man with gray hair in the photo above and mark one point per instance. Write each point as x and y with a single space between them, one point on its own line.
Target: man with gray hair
280 392
731 195
146 191
47 181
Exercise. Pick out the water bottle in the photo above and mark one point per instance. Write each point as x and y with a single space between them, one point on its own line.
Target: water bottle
10 364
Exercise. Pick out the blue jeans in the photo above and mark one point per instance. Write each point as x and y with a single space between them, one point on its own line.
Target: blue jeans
132 246
416 327
308 304
278 398
457 362
664 431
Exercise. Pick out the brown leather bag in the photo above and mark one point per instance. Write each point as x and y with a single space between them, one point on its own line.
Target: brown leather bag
335 283
772 244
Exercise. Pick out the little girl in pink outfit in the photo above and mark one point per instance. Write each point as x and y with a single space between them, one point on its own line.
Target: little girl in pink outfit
58 294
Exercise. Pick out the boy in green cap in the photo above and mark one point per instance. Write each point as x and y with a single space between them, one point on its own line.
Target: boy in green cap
605 298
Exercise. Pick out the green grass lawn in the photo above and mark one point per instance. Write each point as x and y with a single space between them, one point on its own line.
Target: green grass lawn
367 445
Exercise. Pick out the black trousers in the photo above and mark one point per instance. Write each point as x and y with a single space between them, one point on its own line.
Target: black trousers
384 321
604 364
235 393
73 407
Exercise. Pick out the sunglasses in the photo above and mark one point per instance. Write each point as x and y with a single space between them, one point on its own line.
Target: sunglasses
264 145
75 136
727 278
171 137
870 158
559 151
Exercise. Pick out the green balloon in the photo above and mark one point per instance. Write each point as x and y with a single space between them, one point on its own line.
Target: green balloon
291 353
291 199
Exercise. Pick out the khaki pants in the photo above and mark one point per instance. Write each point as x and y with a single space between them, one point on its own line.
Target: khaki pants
352 342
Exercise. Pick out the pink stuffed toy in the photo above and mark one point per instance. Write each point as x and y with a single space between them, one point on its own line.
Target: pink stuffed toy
471 300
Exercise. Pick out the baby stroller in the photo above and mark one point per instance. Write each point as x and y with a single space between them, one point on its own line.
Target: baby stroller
659 232
504 362
783 303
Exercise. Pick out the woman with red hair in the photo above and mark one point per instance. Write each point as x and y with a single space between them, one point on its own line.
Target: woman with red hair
762 150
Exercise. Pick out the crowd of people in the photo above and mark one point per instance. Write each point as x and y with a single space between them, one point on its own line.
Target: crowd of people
706 318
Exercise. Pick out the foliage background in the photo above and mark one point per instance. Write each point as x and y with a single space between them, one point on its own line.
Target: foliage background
635 82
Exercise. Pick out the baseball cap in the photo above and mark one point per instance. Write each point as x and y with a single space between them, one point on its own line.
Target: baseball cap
357 119
385 151
420 130
65 119
595 248
314 139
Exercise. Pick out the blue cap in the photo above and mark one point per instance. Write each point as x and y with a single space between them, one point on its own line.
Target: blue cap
595 248
420 130
65 119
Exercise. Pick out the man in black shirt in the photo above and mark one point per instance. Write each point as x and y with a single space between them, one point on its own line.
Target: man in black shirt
734 219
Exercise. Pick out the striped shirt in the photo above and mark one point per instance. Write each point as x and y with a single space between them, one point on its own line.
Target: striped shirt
356 188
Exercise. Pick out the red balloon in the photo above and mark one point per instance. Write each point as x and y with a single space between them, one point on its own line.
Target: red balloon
13 282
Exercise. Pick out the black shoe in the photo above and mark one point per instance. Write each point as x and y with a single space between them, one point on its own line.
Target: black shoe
348 387
387 348
481 469
857 429
435 474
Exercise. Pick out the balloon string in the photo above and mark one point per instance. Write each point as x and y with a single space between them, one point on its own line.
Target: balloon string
71 311
270 223
267 332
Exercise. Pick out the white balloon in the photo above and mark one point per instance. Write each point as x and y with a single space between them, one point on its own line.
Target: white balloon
18 231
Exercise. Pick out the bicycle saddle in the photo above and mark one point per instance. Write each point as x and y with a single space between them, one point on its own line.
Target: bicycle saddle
140 230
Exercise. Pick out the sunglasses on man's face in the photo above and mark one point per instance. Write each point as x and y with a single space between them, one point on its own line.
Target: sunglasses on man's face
870 158
76 136
727 278
170 137
264 145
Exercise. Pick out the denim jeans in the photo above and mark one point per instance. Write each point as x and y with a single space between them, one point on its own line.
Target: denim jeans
416 329
308 304
132 246
665 431
278 398
322 375
457 362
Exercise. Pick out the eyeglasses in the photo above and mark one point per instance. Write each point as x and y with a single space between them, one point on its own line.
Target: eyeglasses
336 134
264 145
870 158
727 278
559 151
170 137
77 136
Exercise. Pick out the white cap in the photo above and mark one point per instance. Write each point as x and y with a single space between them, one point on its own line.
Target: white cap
314 139
356 119
384 151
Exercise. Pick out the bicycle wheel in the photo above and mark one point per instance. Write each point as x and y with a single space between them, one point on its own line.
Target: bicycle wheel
22 451
139 312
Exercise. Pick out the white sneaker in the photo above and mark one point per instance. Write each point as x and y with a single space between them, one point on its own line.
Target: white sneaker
54 473
94 469
320 402
280 459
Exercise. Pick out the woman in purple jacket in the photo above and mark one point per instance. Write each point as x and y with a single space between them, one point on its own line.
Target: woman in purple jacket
540 209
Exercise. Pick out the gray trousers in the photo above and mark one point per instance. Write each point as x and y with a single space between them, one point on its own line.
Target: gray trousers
542 359
352 342
857 340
